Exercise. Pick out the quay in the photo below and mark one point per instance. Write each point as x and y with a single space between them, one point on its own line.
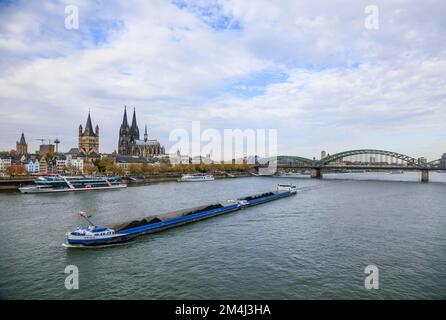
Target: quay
15 183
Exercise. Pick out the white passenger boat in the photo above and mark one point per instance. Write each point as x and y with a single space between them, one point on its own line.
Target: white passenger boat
58 183
196 177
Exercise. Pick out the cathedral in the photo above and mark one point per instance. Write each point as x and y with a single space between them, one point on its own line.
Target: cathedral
130 144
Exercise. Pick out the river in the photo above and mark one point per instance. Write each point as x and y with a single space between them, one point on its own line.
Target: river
311 246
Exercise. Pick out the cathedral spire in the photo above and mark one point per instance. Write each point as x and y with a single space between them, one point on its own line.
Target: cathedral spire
134 125
134 130
125 123
146 136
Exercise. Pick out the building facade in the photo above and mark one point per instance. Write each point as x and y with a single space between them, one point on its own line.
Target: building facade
46 148
5 162
129 143
443 161
22 146
89 139
33 166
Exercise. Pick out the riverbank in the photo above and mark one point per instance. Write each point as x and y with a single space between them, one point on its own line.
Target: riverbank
166 177
16 183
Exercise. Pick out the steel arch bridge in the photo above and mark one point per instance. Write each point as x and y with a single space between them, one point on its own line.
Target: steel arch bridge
295 160
341 155
328 163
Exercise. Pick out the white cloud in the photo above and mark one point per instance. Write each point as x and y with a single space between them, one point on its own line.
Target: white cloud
344 86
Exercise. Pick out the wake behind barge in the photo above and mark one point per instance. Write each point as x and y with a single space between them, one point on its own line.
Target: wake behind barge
93 236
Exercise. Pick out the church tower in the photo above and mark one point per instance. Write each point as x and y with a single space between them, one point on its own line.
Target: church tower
22 146
89 139
134 130
124 136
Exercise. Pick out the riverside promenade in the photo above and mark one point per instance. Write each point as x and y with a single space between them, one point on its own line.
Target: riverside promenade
16 182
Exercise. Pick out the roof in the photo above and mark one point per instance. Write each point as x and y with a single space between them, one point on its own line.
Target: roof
22 139
131 159
147 143
73 151
89 127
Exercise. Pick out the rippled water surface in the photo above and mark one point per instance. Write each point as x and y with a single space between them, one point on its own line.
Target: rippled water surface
314 245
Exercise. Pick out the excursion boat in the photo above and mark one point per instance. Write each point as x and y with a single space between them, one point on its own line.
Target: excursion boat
196 177
58 183
93 236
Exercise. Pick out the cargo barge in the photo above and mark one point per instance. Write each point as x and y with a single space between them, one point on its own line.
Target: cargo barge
93 236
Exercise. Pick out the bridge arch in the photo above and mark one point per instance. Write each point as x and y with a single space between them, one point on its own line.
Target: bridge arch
289 160
344 154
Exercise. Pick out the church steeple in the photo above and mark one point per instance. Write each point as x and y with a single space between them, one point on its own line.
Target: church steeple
22 146
134 125
146 136
89 139
134 130
22 139
89 126
125 123
88 132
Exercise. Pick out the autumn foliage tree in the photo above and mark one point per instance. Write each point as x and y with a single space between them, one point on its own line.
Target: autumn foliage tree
16 170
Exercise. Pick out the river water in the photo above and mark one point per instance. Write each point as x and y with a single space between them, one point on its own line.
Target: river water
315 245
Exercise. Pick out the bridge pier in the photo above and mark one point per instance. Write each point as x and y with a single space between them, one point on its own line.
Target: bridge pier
316 173
425 175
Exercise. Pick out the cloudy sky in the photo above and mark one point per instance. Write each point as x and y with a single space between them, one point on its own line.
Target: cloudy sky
310 69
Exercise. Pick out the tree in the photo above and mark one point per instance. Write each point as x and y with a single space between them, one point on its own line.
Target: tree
90 169
15 170
135 169
50 155
105 165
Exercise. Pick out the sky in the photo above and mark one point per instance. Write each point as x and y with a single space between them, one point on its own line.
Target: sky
310 69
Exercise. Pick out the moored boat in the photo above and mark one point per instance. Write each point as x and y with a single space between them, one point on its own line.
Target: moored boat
58 183
196 177
100 236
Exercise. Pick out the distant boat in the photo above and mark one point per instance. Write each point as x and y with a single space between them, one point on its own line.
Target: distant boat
356 171
58 183
396 172
196 177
